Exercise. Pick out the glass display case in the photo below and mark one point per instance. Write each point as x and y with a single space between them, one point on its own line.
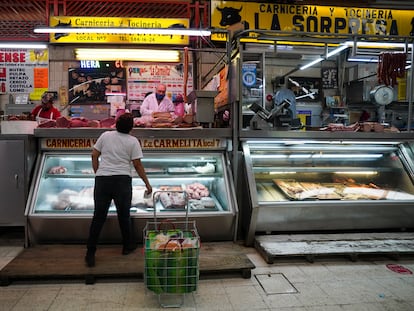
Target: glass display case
66 184
312 185
62 195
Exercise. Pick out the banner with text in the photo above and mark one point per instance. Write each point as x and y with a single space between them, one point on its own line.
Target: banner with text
146 143
115 22
24 71
143 78
236 15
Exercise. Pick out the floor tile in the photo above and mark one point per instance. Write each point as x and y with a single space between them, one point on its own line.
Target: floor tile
275 283
331 285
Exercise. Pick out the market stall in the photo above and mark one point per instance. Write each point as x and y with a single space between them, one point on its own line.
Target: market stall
316 153
60 205
301 182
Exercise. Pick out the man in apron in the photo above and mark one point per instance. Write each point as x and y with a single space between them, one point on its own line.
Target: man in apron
45 110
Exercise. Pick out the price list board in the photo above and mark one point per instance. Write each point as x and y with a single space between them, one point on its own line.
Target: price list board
24 71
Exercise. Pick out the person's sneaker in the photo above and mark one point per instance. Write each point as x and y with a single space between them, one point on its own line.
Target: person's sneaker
90 260
128 250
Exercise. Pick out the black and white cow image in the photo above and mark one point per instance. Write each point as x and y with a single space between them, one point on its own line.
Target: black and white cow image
231 18
412 27
177 26
60 24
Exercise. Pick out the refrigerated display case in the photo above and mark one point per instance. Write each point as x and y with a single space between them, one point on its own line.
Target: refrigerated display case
311 182
60 207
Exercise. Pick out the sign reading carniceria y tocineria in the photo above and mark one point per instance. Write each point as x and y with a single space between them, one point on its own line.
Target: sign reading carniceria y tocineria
310 18
115 22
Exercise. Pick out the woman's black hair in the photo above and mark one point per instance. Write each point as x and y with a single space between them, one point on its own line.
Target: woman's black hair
125 123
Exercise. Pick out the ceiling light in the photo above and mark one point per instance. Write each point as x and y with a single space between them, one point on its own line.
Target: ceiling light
126 30
363 59
318 60
330 54
170 56
384 45
20 45
337 50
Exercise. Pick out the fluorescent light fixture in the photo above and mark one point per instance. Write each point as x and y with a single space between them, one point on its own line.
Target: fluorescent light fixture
330 54
20 45
363 59
126 30
385 45
143 55
357 173
337 50
318 60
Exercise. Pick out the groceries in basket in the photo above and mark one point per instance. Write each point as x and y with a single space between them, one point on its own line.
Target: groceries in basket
171 260
172 240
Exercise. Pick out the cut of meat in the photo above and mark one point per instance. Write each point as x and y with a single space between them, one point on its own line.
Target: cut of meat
172 200
107 122
62 122
57 170
94 123
159 114
84 200
196 191
366 193
47 124
64 199
79 122
170 188
208 202
306 190
138 196
161 125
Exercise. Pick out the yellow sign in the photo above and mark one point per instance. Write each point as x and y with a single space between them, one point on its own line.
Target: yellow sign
182 143
67 143
236 16
99 22
146 143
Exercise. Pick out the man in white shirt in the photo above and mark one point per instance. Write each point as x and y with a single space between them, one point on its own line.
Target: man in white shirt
157 102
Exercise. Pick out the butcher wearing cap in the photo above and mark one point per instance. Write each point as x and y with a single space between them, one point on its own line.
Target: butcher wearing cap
45 110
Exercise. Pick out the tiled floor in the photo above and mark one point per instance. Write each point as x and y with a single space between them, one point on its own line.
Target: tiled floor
288 285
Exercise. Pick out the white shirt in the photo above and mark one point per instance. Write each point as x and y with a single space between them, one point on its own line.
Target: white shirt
117 152
150 105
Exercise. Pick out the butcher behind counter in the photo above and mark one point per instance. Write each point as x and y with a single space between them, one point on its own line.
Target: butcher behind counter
157 111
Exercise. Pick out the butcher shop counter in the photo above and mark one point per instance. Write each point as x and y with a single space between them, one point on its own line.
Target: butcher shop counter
317 181
194 163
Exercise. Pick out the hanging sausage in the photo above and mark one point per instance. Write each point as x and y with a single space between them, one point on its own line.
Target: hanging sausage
390 67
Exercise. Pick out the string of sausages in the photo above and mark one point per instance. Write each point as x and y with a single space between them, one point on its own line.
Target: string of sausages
390 67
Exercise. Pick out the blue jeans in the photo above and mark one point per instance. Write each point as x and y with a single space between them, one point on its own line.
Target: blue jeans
108 188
